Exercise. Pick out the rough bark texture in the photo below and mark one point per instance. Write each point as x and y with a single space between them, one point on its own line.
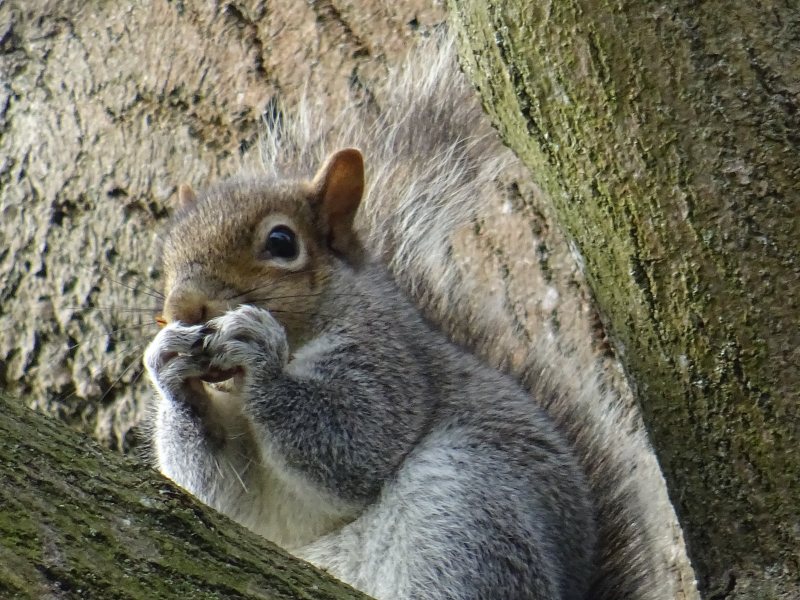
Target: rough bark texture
666 138
80 522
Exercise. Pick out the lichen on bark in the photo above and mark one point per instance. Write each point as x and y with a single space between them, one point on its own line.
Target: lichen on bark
666 139
77 521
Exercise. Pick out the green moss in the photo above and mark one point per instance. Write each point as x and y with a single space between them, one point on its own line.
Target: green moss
86 523
663 143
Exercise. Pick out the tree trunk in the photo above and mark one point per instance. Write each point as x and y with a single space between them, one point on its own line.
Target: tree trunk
80 522
666 138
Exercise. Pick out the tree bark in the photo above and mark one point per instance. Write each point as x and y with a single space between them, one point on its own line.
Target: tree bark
666 139
77 521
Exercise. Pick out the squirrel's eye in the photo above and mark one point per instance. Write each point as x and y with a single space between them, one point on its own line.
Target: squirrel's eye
282 243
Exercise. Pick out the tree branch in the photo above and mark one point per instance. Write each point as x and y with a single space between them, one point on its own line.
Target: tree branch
77 521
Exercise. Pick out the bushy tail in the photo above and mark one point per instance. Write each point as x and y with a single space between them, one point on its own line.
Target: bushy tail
432 161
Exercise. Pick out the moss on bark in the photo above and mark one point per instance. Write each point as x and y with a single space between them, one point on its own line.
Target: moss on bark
77 521
666 137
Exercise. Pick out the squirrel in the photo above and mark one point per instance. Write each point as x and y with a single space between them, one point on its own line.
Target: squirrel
302 392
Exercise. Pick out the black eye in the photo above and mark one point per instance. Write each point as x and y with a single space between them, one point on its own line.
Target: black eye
282 243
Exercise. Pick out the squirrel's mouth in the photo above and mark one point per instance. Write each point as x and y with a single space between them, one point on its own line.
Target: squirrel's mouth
219 375
222 380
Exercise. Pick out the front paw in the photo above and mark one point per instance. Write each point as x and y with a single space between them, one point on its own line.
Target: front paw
175 361
246 342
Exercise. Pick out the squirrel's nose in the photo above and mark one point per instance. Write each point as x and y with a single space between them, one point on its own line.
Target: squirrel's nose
187 306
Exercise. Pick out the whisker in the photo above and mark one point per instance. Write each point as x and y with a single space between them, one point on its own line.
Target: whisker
135 351
239 477
133 362
114 308
302 312
137 377
315 295
250 291
153 293
249 458
111 333
271 283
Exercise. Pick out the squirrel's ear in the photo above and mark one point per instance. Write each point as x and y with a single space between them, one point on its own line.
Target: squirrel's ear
338 188
186 195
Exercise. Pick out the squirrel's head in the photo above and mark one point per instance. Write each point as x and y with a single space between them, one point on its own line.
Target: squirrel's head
273 245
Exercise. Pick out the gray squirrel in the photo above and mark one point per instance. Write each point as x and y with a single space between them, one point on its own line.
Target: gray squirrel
301 391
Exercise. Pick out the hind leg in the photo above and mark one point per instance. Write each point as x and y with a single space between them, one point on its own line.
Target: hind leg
437 533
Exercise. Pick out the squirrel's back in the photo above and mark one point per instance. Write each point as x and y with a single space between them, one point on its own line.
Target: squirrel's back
432 160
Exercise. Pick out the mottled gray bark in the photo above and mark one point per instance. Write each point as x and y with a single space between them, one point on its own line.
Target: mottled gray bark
666 138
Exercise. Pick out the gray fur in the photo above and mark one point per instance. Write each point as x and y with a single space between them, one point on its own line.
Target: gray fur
354 433
462 483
